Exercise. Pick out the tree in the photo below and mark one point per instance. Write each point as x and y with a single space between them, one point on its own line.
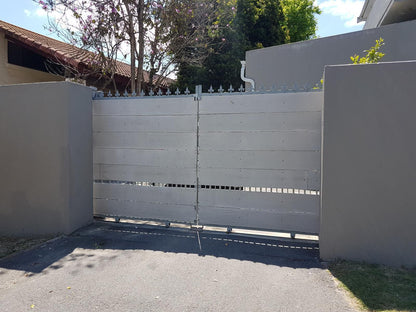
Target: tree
100 61
150 32
260 22
254 24
299 19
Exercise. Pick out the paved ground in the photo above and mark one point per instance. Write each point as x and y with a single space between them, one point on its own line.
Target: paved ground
118 267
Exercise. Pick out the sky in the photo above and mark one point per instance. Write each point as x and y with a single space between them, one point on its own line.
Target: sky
338 16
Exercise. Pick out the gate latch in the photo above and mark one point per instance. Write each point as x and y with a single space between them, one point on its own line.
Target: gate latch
197 227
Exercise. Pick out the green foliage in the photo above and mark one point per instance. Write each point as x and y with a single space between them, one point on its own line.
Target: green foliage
260 23
243 25
221 67
300 19
373 55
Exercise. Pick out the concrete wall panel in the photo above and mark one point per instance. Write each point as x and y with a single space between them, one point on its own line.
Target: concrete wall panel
45 158
303 62
368 167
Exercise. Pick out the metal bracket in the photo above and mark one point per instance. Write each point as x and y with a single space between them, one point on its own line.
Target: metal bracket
198 93
197 227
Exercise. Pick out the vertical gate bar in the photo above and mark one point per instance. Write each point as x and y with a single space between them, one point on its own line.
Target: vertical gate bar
197 98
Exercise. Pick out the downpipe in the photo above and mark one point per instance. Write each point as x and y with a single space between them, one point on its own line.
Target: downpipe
245 79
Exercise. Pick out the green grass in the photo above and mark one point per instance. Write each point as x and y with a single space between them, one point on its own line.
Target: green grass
377 287
9 245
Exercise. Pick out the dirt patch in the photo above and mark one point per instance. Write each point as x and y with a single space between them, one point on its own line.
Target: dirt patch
9 245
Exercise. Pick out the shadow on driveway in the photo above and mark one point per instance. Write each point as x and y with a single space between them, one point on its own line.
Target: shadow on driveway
128 267
121 236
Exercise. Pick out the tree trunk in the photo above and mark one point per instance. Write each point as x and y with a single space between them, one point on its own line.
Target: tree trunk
132 40
140 9
132 55
153 60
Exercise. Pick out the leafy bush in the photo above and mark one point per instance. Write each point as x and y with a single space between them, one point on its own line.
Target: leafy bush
373 54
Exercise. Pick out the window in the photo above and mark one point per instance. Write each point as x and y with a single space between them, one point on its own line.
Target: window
21 56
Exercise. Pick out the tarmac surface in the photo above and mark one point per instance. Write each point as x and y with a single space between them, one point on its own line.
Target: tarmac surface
129 267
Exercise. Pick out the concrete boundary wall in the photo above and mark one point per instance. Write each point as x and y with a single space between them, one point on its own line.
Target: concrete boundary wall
45 158
368 164
303 62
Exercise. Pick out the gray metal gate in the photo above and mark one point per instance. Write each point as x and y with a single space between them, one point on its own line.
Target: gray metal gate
241 160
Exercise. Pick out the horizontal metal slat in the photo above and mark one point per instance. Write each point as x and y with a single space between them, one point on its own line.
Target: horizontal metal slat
145 140
145 106
137 173
266 103
261 121
255 141
149 158
273 202
290 212
263 220
154 211
145 194
144 123
296 160
296 179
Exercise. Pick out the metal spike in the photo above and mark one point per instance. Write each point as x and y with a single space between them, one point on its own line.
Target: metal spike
117 93
231 89
109 93
133 93
125 93
211 90
261 89
177 92
241 89
307 87
159 93
284 88
142 93
168 92
220 90
274 88
250 89
295 87
151 93
187 91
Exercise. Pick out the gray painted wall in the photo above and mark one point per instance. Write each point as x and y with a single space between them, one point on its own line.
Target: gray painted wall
45 158
368 198
303 62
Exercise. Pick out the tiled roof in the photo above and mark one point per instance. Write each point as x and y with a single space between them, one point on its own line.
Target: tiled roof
62 51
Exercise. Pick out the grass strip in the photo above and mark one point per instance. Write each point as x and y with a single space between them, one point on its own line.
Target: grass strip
9 245
377 287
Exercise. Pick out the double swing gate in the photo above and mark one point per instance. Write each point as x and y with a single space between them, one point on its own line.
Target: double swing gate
236 160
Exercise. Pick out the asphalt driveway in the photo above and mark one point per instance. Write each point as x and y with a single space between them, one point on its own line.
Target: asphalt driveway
122 267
